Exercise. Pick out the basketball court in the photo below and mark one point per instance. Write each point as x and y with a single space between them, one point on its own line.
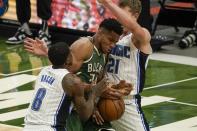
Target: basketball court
169 98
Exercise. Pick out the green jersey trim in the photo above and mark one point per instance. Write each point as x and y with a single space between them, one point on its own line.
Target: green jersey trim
97 50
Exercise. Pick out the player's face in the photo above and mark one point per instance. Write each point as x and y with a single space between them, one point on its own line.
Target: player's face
108 40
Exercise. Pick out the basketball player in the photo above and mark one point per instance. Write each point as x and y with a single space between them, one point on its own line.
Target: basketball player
56 90
128 61
88 52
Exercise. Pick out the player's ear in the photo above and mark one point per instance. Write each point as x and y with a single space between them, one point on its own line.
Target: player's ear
102 30
136 15
99 30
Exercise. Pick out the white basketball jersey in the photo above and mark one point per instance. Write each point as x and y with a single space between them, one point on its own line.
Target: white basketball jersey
127 63
50 104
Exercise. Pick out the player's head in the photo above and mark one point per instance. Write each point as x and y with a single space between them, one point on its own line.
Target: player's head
108 34
133 7
59 54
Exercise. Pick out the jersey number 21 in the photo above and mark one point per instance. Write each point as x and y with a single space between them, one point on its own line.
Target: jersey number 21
113 65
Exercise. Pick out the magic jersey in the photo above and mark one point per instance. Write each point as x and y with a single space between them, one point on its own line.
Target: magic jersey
50 105
127 63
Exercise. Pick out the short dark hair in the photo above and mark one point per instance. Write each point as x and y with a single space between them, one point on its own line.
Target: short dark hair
58 53
112 24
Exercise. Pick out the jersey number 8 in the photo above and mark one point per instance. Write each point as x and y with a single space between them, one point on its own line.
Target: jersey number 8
38 99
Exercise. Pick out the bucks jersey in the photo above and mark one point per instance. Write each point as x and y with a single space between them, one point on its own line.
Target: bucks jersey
50 105
128 63
92 67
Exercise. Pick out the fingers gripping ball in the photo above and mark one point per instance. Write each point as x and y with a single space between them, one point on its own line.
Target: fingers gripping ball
3 7
120 85
111 109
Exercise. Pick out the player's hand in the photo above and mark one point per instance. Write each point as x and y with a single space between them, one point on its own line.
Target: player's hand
124 87
96 116
100 87
112 93
88 88
36 47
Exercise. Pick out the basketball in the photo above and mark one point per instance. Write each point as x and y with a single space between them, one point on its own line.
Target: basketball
111 109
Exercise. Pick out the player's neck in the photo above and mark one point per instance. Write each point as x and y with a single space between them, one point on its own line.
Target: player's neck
58 67
95 43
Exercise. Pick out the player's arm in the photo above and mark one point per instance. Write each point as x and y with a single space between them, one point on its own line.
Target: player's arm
82 50
36 47
75 88
141 35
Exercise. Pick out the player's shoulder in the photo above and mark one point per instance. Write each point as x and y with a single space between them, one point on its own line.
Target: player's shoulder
70 83
46 68
82 43
85 39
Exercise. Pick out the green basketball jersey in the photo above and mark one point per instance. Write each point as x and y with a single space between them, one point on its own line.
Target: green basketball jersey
92 67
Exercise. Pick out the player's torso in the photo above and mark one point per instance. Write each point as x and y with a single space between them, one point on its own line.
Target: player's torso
91 68
50 105
126 62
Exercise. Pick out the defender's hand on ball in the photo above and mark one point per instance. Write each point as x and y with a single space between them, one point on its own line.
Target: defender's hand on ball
111 105
118 91
100 87
124 87
112 93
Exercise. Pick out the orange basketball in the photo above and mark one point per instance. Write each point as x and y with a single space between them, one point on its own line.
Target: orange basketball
111 109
